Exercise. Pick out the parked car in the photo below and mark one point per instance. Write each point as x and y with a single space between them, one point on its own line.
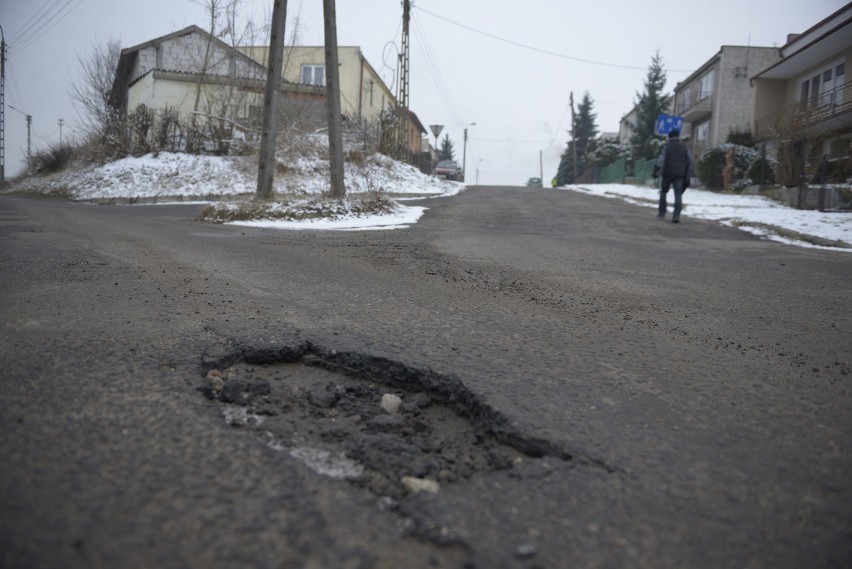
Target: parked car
450 170
534 182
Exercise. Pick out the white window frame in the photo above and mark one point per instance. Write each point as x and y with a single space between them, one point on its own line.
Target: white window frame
705 84
308 74
816 93
702 132
684 98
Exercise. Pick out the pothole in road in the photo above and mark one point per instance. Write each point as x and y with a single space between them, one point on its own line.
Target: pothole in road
373 422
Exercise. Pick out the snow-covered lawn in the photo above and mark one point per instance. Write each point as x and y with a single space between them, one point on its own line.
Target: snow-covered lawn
303 178
755 214
172 175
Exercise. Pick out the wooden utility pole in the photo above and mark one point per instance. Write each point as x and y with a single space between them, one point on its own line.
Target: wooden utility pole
574 136
541 167
332 102
268 135
3 108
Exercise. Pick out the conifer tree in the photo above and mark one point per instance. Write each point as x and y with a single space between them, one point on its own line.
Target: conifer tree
587 130
586 133
447 151
649 104
565 171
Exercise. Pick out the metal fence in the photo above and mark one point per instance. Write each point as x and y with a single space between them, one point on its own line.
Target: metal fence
643 171
616 173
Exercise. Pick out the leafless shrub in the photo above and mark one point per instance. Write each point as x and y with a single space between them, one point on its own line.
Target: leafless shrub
168 135
54 158
355 158
140 122
370 202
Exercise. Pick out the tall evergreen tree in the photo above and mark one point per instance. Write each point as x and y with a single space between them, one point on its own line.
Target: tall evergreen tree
587 130
565 171
447 151
649 104
586 135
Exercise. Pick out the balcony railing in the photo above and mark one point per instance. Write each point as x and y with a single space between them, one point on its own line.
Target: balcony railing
826 109
696 105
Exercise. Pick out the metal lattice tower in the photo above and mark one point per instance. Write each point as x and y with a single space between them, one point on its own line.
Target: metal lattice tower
402 96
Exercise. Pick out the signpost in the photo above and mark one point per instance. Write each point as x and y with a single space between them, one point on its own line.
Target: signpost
436 130
665 124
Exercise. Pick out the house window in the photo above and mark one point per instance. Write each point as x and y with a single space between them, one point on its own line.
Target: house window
684 99
806 89
313 75
705 85
825 86
815 83
702 132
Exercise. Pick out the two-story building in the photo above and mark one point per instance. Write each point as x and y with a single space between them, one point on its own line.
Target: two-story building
803 102
363 94
202 81
717 98
627 126
212 85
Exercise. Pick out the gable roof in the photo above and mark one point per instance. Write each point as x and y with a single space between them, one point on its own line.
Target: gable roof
819 42
128 57
416 120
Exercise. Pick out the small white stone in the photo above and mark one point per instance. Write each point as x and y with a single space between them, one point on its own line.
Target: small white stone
391 403
413 484
216 382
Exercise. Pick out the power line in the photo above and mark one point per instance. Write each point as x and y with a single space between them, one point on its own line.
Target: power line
36 34
508 140
34 19
62 13
540 50
17 99
435 71
556 133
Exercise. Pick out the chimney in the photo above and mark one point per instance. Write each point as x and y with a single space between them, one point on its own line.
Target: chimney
792 37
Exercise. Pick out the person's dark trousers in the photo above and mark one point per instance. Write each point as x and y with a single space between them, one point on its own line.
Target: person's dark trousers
678 195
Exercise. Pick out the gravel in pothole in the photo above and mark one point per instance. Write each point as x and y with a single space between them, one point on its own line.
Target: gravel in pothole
387 439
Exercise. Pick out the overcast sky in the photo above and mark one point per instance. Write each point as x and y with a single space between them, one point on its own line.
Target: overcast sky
506 65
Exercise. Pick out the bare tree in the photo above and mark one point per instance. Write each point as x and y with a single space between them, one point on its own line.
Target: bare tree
216 10
91 90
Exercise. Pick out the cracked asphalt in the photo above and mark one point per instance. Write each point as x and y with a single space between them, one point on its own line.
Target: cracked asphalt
668 395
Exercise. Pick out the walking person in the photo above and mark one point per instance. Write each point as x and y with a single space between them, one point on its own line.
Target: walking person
675 165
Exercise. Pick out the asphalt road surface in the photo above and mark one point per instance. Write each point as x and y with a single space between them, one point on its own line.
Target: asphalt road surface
582 385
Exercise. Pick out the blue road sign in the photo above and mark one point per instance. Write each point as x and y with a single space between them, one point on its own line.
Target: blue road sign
665 124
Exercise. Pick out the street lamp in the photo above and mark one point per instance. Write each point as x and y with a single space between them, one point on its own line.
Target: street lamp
464 152
477 170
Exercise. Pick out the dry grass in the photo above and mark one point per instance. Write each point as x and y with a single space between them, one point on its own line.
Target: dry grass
360 204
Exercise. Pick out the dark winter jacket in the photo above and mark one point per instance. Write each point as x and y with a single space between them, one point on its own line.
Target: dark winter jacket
675 161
